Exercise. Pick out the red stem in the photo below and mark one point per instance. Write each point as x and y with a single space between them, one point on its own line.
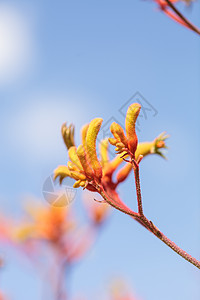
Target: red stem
138 190
186 21
140 217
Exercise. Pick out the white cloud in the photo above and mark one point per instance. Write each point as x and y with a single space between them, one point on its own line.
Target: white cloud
36 126
16 44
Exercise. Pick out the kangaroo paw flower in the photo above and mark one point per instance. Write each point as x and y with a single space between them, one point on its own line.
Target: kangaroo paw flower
126 143
84 165
159 143
119 140
68 135
131 117
94 173
91 137
144 149
84 161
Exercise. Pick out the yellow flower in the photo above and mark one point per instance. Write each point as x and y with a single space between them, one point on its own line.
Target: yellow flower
48 223
84 165
143 149
89 171
129 142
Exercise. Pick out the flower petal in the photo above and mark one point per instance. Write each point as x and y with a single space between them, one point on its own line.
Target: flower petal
73 157
91 137
84 161
84 130
104 152
62 172
118 131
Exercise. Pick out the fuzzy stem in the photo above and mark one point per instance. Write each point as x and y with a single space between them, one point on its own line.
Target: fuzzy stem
115 203
178 250
138 190
152 228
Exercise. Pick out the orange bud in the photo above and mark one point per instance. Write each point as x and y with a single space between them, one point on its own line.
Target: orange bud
118 133
131 117
132 144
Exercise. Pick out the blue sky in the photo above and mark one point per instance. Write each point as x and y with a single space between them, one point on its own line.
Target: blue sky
76 60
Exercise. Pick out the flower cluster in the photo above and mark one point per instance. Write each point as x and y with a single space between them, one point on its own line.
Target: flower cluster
96 173
53 239
55 228
84 165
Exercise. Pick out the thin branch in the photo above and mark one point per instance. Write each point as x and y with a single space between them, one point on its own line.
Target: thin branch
181 16
140 217
151 227
177 249
169 243
60 289
137 184
114 204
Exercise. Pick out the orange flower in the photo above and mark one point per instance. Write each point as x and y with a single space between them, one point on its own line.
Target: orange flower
59 227
48 223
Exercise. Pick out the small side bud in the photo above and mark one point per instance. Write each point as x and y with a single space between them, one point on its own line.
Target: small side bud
68 135
119 140
112 141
